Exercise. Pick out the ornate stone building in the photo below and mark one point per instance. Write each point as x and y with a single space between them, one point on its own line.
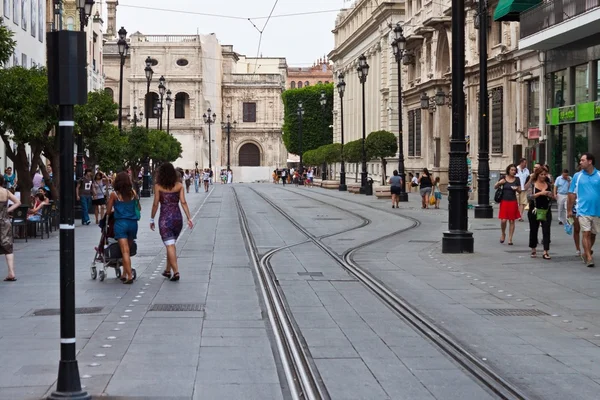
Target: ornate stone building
320 72
201 74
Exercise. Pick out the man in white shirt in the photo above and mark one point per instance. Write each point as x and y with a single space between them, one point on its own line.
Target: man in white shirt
561 191
522 174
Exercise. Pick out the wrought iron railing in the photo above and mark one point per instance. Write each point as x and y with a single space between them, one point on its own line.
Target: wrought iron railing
551 13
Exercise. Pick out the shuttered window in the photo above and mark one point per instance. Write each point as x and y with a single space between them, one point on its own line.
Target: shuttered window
418 132
497 121
249 112
411 133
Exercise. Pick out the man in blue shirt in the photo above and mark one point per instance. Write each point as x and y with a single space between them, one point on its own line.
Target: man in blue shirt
561 190
585 188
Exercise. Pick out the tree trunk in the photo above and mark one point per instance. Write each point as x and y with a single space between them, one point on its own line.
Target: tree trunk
383 174
52 153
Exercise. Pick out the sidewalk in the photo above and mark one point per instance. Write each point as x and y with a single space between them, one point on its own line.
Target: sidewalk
137 344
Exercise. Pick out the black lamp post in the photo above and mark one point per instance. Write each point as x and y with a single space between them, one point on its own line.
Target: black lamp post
483 209
341 87
209 119
161 90
363 71
323 101
135 119
300 112
158 115
458 239
67 87
227 125
399 47
169 101
123 47
148 103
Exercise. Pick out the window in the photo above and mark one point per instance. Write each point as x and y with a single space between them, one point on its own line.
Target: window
306 84
299 85
16 8
327 82
182 103
24 60
560 88
497 121
24 14
582 86
182 62
151 103
6 9
414 133
249 112
33 16
293 85
498 34
110 92
533 103
70 23
320 82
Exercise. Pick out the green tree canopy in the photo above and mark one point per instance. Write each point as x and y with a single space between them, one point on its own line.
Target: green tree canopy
311 157
7 43
316 122
353 151
381 144
332 153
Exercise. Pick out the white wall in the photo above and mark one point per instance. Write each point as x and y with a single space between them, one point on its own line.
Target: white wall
252 174
30 31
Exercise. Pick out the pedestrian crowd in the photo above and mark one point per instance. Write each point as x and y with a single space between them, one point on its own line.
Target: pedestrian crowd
288 176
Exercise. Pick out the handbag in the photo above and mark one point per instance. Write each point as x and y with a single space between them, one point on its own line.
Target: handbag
138 212
540 214
498 194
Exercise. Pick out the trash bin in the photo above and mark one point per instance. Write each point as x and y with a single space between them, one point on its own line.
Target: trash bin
369 189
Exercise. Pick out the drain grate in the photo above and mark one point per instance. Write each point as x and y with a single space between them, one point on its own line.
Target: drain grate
423 241
177 307
310 273
515 312
42 312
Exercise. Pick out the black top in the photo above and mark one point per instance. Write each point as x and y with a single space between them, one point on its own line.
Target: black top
508 193
542 202
425 181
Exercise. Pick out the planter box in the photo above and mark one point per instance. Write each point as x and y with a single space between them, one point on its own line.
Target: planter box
382 192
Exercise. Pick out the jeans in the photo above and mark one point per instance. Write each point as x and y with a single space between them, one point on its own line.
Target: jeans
196 184
562 207
86 206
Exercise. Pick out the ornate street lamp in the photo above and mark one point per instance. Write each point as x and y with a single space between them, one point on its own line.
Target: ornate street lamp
148 103
483 209
169 101
300 113
135 119
363 71
85 10
399 48
227 125
323 101
457 239
209 119
341 87
158 114
123 47
161 90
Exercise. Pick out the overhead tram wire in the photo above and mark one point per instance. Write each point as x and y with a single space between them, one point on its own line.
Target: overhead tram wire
261 33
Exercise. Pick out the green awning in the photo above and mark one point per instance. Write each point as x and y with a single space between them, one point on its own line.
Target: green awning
509 10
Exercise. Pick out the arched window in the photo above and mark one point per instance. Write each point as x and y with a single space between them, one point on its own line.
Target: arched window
320 82
110 92
182 104
293 85
249 155
151 102
299 85
70 23
306 84
327 82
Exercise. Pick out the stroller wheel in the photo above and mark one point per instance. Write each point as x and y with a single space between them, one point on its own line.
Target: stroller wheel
102 275
93 272
134 273
118 272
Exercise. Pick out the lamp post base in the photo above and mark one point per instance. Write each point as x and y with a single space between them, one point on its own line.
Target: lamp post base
68 385
343 187
484 211
403 197
146 192
363 181
457 242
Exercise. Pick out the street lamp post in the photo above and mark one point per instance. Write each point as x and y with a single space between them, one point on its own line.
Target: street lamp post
123 47
161 90
135 119
228 126
158 114
341 87
323 101
363 71
457 239
300 112
148 103
399 47
169 101
209 119
67 86
483 209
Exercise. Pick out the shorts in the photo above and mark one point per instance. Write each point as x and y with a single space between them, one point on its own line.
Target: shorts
99 202
589 224
438 195
425 191
522 198
395 189
126 229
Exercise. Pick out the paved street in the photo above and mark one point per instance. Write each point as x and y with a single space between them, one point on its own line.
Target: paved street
223 346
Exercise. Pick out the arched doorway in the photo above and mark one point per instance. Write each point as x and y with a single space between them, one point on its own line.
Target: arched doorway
249 155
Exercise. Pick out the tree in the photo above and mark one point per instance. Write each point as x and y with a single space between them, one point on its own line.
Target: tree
140 143
7 43
311 157
27 118
381 144
353 153
332 153
110 148
316 121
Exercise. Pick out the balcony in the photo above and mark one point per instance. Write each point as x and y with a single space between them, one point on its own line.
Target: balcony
557 23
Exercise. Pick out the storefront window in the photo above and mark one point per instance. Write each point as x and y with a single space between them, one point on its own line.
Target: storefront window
598 80
533 103
581 144
582 84
560 88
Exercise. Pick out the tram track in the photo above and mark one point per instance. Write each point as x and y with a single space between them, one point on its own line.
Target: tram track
481 372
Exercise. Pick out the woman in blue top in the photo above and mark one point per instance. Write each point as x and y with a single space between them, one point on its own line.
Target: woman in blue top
123 203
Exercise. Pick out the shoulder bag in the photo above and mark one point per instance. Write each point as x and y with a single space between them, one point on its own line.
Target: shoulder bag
499 193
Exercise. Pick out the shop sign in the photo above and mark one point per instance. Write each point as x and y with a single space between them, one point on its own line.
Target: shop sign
533 133
597 110
567 114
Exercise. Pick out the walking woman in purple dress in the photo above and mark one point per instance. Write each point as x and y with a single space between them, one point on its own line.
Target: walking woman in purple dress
169 192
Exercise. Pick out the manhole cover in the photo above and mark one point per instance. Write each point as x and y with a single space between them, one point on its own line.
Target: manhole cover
423 241
56 311
177 307
310 273
515 312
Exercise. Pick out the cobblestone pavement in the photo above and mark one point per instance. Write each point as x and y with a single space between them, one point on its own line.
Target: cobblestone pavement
222 347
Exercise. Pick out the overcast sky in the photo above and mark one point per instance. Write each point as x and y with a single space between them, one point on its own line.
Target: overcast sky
301 39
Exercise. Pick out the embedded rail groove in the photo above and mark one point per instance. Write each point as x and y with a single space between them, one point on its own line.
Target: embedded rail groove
478 370
301 378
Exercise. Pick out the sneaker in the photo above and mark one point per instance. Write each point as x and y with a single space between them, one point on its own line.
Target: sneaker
590 263
560 223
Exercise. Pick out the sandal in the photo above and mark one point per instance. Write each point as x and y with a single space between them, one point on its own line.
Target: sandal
128 281
533 253
166 274
9 279
546 256
175 277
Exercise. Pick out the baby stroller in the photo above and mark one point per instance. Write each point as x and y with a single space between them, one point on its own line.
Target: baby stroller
108 251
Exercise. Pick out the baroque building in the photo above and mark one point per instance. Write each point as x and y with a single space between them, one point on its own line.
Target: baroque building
320 72
202 74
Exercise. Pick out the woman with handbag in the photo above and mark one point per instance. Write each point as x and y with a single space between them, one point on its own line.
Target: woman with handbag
507 188
540 197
